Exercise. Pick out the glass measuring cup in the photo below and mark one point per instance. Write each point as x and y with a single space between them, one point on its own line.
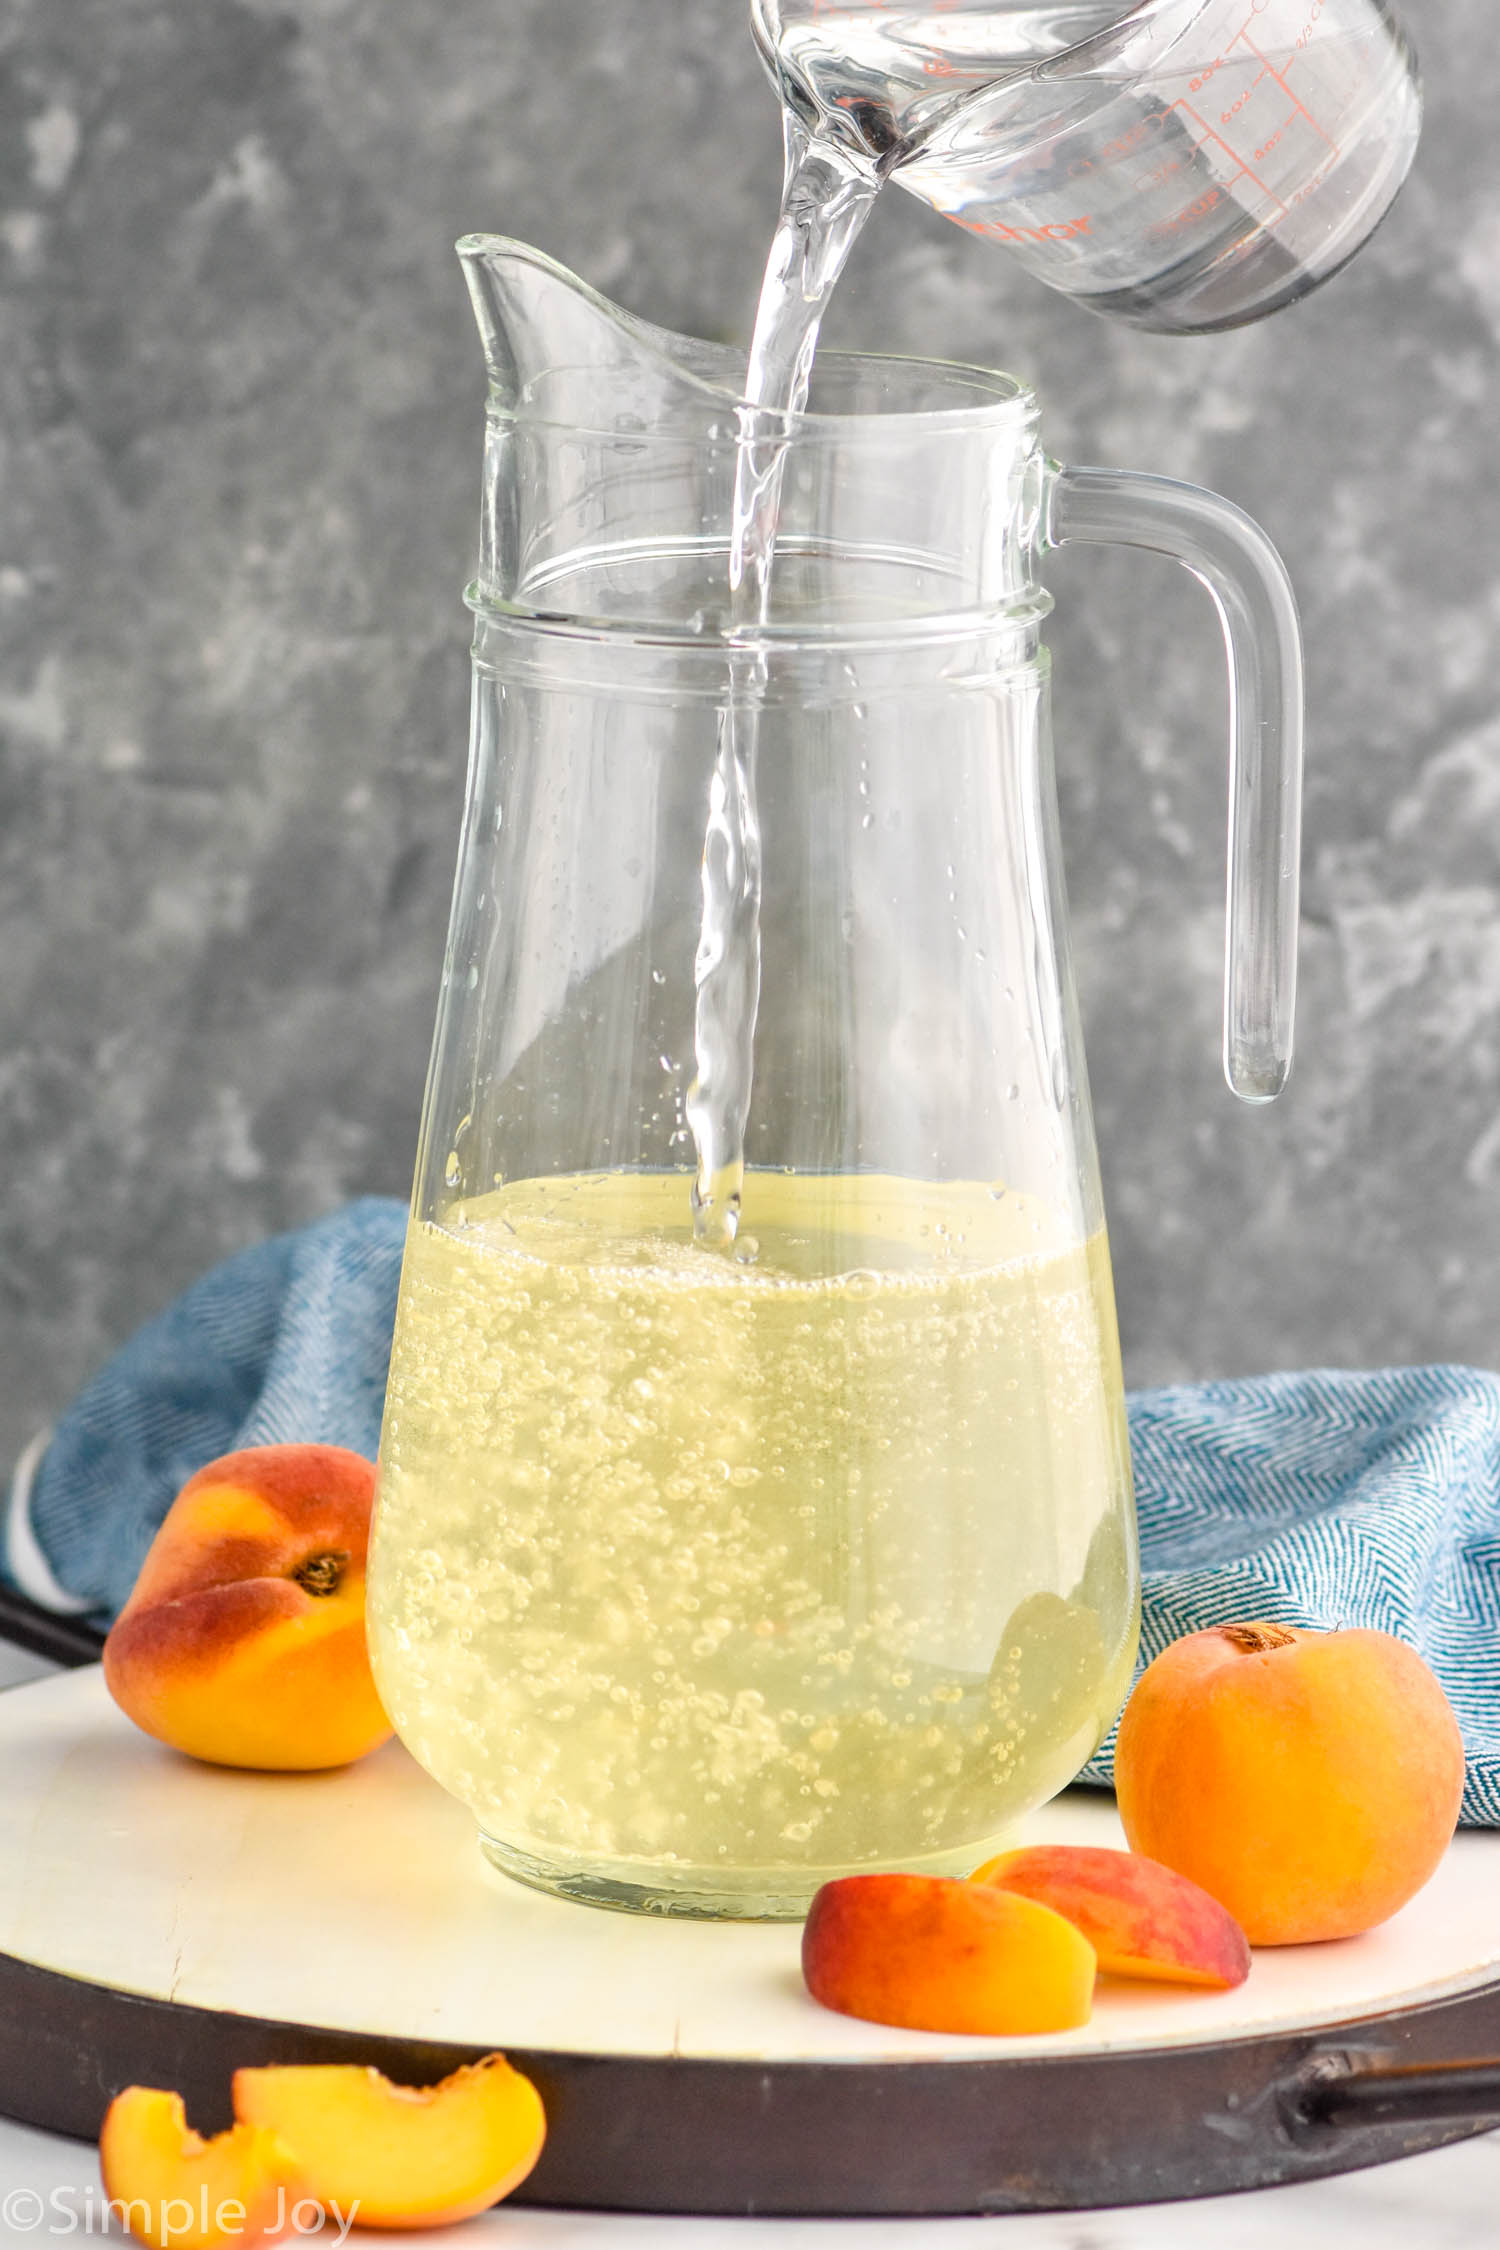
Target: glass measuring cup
701 1575
1185 166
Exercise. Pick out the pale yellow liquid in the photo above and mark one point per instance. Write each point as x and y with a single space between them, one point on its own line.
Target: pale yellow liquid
702 1577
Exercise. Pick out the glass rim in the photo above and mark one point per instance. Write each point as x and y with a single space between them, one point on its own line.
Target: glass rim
642 640
1006 401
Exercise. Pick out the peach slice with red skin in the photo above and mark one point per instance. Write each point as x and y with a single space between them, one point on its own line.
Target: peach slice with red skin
243 1641
1141 1919
176 2191
385 2155
927 1953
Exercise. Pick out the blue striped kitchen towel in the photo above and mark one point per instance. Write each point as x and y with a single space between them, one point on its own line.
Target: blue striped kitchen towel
1322 1499
286 1342
1330 1498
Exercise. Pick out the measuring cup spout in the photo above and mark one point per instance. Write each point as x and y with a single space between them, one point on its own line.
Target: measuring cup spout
1183 165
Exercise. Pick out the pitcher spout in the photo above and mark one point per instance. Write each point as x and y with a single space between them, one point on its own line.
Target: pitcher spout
555 348
613 454
572 379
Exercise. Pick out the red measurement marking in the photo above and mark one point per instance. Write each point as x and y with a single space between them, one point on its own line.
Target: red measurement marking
1310 187
1228 116
1233 154
1128 144
1197 120
1061 230
1285 88
1208 201
1273 140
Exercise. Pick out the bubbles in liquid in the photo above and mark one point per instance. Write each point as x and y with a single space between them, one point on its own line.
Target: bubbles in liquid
817 1562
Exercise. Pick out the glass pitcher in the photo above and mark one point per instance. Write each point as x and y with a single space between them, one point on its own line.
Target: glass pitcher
705 1574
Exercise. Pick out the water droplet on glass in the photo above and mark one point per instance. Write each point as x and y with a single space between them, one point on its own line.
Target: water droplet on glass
452 1170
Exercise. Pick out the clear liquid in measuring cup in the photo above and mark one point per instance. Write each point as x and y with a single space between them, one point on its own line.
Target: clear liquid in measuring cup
1200 164
884 76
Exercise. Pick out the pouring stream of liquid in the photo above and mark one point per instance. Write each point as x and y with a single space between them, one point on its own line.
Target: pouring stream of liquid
826 197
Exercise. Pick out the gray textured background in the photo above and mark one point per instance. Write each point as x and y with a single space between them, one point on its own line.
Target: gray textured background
240 422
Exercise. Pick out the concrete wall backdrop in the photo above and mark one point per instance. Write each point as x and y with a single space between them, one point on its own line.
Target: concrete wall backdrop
240 417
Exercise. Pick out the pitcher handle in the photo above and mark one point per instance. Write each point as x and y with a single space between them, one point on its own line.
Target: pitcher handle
1233 558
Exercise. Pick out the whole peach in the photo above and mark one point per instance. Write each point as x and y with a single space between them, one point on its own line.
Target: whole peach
1308 1781
243 1641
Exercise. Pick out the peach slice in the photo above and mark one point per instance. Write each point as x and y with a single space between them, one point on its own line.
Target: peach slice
176 2191
930 1954
1141 1919
243 1641
384 2155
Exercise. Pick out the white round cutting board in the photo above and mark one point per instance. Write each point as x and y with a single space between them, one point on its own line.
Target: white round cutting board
163 1923
359 1899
